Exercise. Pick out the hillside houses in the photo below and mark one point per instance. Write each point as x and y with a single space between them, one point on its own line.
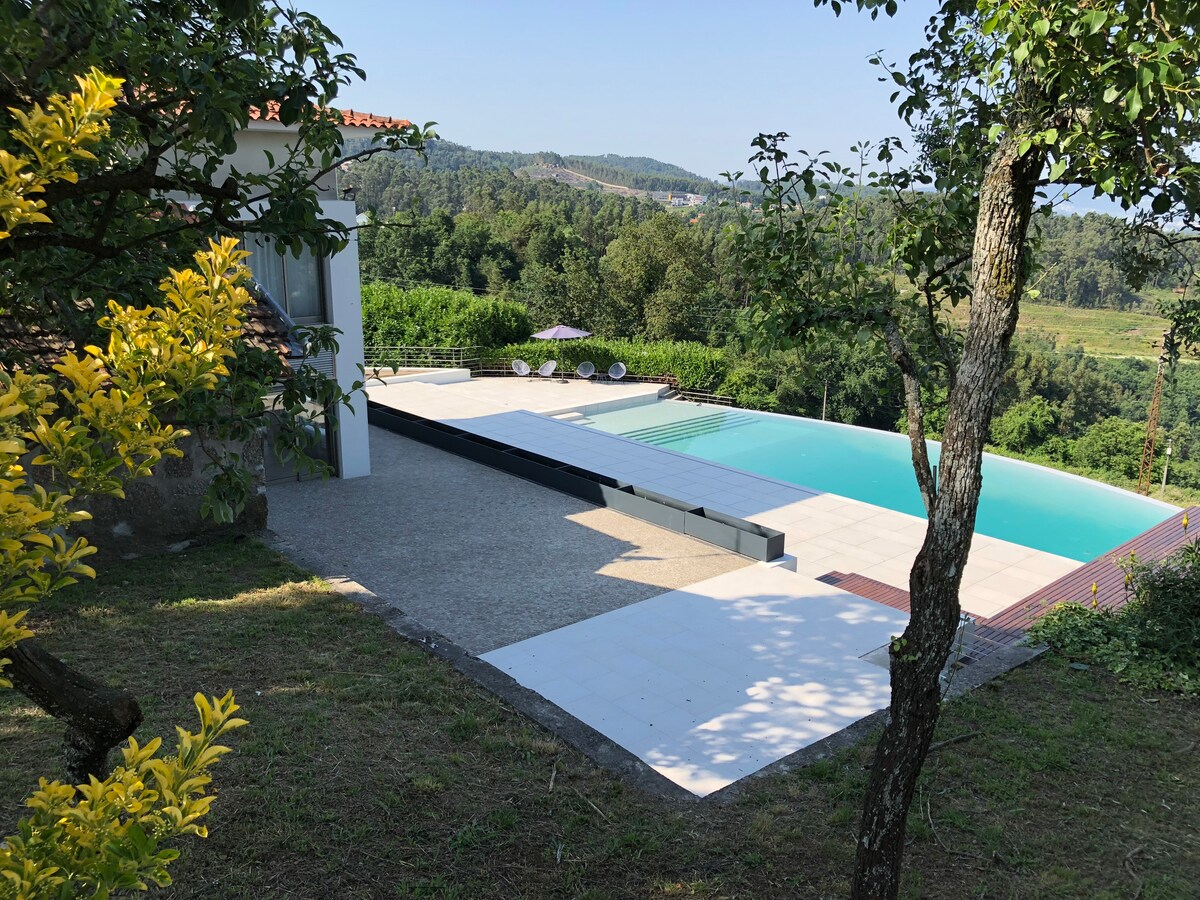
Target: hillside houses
678 198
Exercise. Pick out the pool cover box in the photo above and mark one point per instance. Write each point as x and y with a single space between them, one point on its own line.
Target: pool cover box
746 538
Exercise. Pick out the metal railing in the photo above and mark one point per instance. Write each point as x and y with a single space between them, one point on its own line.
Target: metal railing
422 357
706 397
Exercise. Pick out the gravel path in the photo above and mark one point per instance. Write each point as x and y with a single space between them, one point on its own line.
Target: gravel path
483 557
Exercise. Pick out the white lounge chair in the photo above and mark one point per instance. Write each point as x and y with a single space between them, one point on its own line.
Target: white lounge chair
586 370
617 371
546 369
521 367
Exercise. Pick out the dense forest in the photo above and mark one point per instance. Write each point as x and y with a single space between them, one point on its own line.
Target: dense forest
529 253
612 264
1077 260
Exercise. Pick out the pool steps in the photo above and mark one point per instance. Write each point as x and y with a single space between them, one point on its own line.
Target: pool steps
688 428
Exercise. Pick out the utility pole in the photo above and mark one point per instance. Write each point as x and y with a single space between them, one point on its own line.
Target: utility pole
1164 360
824 400
1166 464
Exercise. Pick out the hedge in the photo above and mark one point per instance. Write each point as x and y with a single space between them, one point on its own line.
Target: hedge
439 317
694 366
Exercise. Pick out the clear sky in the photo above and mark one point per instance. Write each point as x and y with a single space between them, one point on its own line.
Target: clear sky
689 83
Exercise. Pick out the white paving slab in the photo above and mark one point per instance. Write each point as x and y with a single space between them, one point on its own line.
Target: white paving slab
713 682
825 532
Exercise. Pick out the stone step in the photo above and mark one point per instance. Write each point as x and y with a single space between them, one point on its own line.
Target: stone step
575 418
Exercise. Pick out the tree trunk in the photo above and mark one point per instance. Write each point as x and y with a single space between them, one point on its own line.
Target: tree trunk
918 656
98 717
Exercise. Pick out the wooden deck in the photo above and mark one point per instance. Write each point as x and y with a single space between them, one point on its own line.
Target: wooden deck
1009 626
868 588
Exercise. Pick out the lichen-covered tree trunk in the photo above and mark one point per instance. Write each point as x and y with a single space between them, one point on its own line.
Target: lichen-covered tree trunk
1005 205
98 717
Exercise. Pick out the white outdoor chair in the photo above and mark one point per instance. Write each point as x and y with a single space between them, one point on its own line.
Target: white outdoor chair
521 367
546 369
586 370
617 371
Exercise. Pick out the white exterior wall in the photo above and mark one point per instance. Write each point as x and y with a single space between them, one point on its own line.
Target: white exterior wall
345 313
263 138
344 290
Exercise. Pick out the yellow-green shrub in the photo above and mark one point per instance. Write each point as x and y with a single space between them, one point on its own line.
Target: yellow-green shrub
85 432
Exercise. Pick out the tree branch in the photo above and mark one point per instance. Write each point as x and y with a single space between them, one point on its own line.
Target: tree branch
944 349
902 356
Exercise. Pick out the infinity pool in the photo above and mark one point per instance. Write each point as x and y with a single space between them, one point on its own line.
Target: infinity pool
1023 503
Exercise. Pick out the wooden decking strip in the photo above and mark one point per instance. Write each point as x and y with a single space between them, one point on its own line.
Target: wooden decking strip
1009 625
1158 543
868 588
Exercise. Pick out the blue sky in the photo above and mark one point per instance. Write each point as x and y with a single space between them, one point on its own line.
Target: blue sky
687 83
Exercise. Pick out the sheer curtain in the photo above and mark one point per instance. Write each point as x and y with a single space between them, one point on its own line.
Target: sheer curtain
295 284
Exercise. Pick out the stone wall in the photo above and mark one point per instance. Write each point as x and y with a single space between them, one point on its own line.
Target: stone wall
162 512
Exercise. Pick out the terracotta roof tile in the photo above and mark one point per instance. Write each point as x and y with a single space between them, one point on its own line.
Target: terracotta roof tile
349 117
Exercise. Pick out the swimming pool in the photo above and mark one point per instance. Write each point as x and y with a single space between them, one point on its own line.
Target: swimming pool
1023 503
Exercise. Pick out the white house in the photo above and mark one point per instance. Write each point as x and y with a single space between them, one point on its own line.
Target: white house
315 290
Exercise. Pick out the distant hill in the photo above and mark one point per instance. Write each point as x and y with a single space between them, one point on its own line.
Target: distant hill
637 175
639 172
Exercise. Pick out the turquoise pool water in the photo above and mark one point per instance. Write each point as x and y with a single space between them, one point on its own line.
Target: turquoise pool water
1028 505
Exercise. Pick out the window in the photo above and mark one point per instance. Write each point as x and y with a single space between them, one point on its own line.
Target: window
298 285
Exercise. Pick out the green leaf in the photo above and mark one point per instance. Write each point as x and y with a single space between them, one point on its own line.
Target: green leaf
1095 20
1041 27
1133 104
1057 168
994 132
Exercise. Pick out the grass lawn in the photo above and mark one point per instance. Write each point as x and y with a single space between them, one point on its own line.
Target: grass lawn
370 769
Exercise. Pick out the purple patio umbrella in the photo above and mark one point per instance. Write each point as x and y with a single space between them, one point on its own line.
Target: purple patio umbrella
561 333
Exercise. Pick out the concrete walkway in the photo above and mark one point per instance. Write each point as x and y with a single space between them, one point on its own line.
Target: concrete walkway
713 682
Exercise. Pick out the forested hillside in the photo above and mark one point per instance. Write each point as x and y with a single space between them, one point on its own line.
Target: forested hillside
1078 265
599 261
639 172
